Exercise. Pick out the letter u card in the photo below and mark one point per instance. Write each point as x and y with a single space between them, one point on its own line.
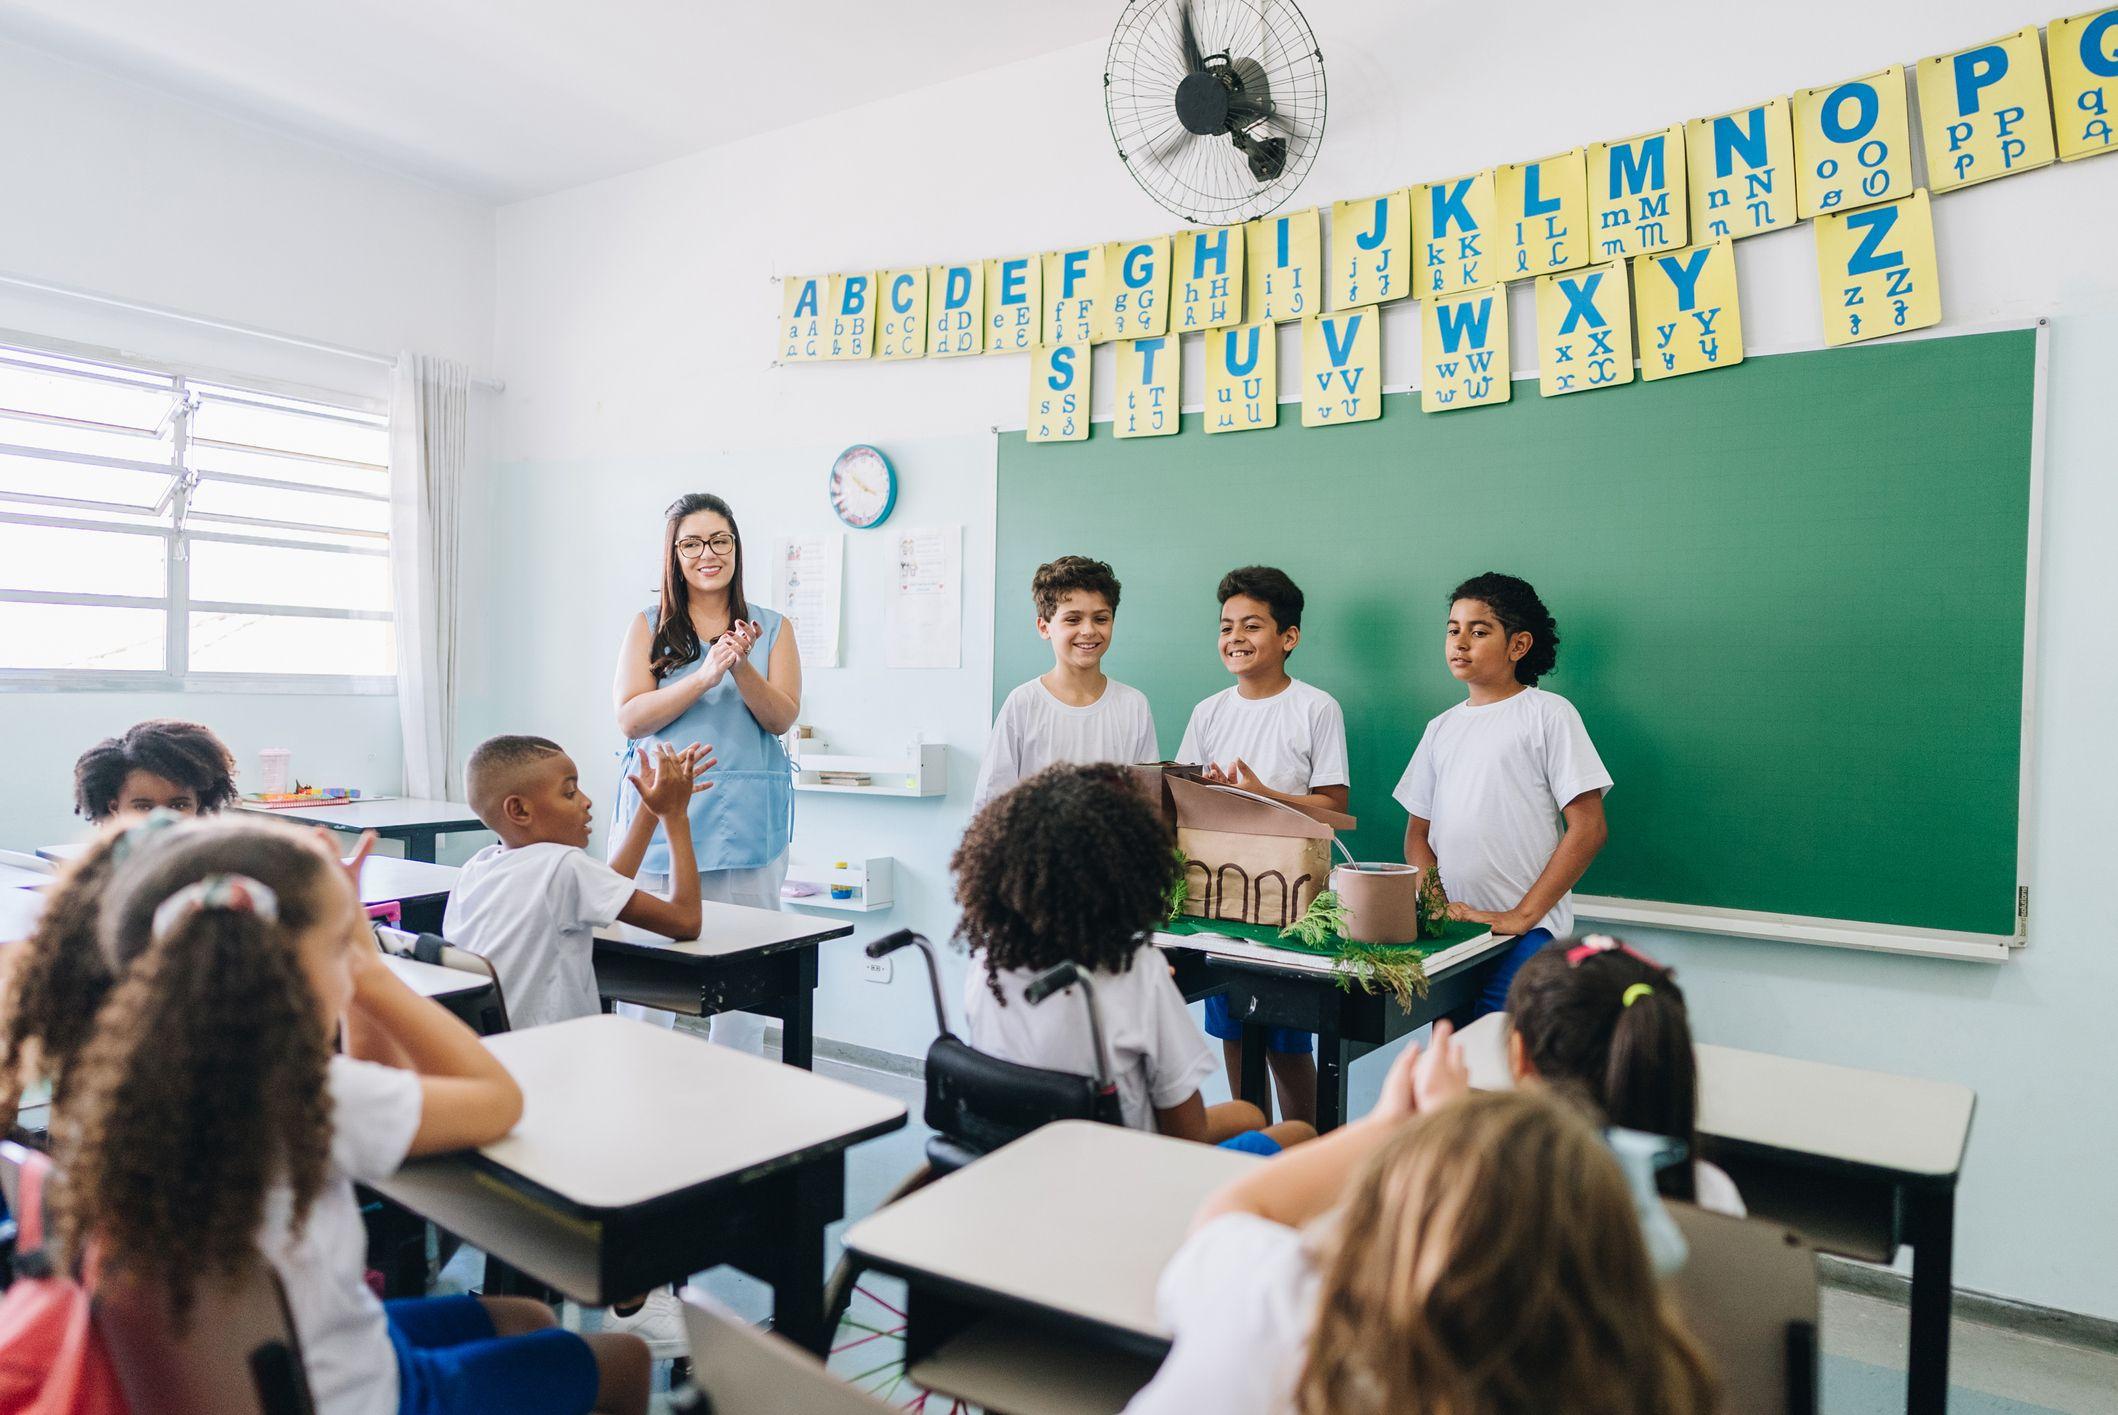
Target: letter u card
1242 378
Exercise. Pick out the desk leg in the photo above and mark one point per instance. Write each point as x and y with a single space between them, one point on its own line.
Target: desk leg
1256 1086
420 845
1332 1064
798 1253
798 1021
1930 1222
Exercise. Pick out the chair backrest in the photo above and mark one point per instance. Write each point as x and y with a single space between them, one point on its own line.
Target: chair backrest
491 1015
977 1102
740 1370
1748 1292
237 1353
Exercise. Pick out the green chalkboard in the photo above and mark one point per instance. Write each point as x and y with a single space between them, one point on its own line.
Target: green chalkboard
1790 596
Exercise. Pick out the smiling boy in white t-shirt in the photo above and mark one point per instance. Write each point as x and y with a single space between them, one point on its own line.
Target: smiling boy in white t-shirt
1277 737
1494 776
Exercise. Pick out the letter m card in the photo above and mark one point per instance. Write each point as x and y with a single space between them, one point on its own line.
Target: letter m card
1636 189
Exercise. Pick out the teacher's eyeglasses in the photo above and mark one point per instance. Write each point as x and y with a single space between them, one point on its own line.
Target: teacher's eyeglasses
691 547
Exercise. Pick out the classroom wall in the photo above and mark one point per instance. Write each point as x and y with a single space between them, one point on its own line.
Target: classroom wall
633 320
125 192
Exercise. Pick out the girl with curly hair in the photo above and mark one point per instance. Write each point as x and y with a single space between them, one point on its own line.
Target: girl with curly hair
1494 778
160 764
208 1122
1451 1253
1074 866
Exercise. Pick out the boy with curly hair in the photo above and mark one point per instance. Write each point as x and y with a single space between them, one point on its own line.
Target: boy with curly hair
1495 775
1074 713
1074 866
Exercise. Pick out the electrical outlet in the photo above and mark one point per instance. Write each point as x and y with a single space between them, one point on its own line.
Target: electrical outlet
876 969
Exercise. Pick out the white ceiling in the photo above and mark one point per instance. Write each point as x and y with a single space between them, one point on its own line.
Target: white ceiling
506 99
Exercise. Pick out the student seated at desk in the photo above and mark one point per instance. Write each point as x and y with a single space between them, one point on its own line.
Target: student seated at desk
532 903
1597 1016
1073 866
208 1120
1073 713
1447 1254
160 764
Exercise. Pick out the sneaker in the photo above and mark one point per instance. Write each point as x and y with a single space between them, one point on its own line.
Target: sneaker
659 1322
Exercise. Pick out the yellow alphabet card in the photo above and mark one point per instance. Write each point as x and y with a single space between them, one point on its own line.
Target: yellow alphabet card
955 310
1637 200
1136 288
1013 303
2084 59
902 331
1455 241
1851 144
1058 393
1876 270
1543 215
1286 265
1463 342
1149 373
1584 330
849 304
801 319
1073 295
1686 305
1342 367
1371 245
1984 112
1742 171
1242 378
1208 277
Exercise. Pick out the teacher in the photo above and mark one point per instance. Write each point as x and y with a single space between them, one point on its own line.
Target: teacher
705 665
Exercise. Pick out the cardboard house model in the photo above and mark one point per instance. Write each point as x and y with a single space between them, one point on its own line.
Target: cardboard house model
1249 859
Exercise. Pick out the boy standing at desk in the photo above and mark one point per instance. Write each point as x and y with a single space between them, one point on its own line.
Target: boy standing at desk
1277 737
1075 713
1493 777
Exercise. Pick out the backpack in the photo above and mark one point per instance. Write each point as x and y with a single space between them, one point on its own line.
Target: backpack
52 1358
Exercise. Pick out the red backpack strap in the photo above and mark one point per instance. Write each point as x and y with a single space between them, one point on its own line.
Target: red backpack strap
29 1223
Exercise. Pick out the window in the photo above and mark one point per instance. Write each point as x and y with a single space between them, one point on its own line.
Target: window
162 530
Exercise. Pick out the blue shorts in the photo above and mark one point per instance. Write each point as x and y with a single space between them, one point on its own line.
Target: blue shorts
1222 1023
1493 991
1251 1142
450 1362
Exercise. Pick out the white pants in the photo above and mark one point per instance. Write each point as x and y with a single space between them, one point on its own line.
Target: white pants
758 888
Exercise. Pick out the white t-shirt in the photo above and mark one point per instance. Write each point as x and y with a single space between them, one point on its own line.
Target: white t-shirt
345 1343
532 911
1158 1055
1294 740
1492 780
1035 730
1714 1191
1240 1297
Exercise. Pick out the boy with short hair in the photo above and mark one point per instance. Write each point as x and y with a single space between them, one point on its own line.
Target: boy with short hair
1075 713
531 903
1278 737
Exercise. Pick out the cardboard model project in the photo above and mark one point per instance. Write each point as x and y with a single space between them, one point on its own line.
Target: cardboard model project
1248 858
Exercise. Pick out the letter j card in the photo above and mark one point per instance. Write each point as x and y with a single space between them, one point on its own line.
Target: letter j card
1876 270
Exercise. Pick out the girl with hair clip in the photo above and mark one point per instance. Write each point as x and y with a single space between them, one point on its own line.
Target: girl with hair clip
208 1121
1597 1016
1448 1254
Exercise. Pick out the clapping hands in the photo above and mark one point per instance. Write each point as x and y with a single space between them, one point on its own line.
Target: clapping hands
669 777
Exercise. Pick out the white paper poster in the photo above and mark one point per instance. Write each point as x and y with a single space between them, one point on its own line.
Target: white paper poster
808 575
924 616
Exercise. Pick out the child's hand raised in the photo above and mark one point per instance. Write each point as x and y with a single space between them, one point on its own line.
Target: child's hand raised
1424 1079
669 778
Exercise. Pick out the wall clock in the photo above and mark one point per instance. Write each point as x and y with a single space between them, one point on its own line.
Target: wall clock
863 487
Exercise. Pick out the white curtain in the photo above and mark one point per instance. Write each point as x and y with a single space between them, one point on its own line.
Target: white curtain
429 414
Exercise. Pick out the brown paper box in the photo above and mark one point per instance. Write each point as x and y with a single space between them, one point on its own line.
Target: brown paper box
1251 859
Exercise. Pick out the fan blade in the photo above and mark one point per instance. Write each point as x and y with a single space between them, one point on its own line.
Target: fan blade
1160 150
1193 61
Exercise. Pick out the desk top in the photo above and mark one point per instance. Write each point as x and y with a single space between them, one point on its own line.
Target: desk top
1899 1124
384 814
725 930
22 877
385 879
433 980
1014 1226
1242 950
619 1113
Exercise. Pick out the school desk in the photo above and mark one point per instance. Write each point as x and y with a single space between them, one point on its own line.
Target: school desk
22 877
433 980
1015 1236
419 887
1858 1161
418 824
1273 987
744 960
19 909
645 1155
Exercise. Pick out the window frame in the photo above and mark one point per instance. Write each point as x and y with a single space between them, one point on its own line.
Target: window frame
178 527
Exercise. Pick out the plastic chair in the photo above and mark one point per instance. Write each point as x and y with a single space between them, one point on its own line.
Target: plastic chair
1748 1292
977 1102
489 1015
739 1370
237 1353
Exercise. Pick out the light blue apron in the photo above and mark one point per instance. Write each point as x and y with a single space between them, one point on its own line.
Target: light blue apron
746 820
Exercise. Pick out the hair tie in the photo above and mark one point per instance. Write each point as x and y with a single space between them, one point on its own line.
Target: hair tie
1637 991
1594 944
140 832
233 894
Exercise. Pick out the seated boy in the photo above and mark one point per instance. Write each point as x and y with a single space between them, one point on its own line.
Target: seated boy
531 903
1073 713
1074 866
1278 737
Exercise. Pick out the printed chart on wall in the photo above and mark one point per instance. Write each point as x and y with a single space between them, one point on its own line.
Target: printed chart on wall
808 575
923 620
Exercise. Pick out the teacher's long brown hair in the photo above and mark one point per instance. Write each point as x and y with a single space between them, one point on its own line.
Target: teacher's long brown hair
676 642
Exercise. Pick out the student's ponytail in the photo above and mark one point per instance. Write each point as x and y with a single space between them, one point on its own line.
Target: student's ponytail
203 1084
1602 1018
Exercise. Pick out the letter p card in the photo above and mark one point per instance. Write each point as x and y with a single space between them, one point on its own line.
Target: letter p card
1985 112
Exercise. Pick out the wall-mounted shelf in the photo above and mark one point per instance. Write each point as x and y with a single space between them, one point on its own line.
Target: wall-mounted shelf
924 774
870 879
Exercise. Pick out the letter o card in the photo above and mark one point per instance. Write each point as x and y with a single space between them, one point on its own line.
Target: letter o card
2084 58
1584 330
1852 145
1686 303
1984 112
1058 393
1876 270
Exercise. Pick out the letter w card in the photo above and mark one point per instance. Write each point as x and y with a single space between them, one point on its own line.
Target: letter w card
1876 270
1985 112
1463 341
2084 56
1686 305
1342 367
1584 330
